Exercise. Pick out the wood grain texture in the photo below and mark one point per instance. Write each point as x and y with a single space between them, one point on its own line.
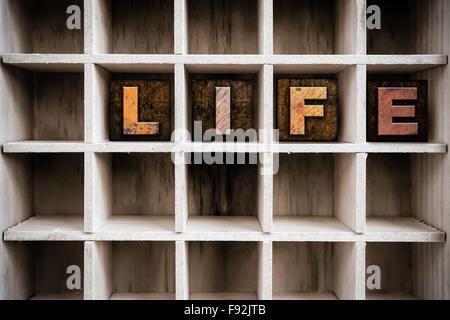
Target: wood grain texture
154 105
222 190
431 173
302 267
222 27
304 185
49 30
316 128
58 106
131 124
396 263
143 267
399 28
223 106
377 108
143 184
299 110
242 108
51 260
303 27
142 26
223 266
387 111
388 185
58 184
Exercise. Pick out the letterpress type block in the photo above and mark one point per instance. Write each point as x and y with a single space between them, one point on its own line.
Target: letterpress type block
397 110
140 110
307 109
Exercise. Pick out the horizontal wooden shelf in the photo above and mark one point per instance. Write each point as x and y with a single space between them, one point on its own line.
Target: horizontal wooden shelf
389 296
225 63
48 228
304 296
291 228
388 229
80 146
162 250
370 147
142 296
145 147
240 226
127 226
223 296
214 228
57 296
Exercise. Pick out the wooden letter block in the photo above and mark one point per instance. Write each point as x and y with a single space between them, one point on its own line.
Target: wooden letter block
223 110
131 125
140 110
223 102
307 109
397 111
299 110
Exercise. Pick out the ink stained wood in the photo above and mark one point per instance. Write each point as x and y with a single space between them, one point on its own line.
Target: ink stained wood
316 127
154 105
411 118
131 123
300 110
223 101
203 100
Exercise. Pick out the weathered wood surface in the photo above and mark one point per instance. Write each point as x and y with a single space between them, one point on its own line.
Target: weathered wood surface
222 27
203 100
304 27
222 266
142 27
316 128
222 190
386 100
154 105
131 124
223 117
299 110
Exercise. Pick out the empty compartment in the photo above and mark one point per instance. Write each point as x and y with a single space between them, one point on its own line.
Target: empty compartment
304 185
56 270
389 185
223 270
50 106
58 184
303 271
392 270
304 26
315 191
143 270
223 27
143 184
396 184
316 270
48 189
223 197
135 190
139 26
406 27
42 26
